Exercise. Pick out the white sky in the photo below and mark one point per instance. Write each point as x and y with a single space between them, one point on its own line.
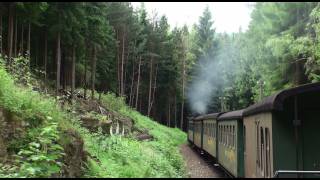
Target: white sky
227 16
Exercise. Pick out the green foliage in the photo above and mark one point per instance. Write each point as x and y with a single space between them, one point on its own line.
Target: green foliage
112 102
116 156
38 153
42 156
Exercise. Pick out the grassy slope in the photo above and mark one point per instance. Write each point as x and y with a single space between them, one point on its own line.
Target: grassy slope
127 157
111 156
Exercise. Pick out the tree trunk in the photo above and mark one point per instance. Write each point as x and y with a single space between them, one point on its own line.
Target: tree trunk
22 50
138 84
182 105
36 54
125 70
45 57
85 74
100 94
122 63
58 63
154 88
1 52
15 37
73 75
175 110
10 33
93 74
118 64
169 115
131 87
28 48
150 84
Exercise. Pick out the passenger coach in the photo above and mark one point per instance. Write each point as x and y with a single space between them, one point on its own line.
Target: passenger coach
282 133
230 144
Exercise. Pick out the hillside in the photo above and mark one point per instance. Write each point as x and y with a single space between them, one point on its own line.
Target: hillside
45 137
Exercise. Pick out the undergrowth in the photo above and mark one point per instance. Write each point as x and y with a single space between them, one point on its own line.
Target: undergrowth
39 155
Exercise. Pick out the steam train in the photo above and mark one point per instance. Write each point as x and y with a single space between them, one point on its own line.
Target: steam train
276 137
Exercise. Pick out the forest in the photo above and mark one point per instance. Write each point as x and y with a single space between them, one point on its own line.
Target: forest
113 60
111 47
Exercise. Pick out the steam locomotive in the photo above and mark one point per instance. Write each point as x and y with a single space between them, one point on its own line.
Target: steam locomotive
276 137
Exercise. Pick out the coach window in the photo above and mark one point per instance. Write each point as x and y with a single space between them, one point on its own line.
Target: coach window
219 135
244 139
229 139
227 134
219 131
234 137
268 163
214 130
230 136
258 145
223 134
262 150
207 128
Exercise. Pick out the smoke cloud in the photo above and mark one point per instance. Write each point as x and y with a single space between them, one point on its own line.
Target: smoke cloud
211 77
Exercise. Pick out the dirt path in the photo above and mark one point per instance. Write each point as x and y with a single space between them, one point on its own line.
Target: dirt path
196 165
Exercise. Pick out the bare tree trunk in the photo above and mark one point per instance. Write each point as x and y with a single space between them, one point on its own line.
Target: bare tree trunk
73 71
175 110
21 46
138 84
100 94
140 105
122 63
118 64
182 105
10 33
29 31
126 64
58 63
15 37
131 87
36 53
1 52
150 84
85 74
93 74
169 116
154 88
45 57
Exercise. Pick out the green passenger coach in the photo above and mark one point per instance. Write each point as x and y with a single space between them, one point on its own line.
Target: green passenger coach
230 143
281 133
209 136
197 132
190 130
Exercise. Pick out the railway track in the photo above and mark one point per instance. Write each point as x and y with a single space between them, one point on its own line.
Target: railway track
201 165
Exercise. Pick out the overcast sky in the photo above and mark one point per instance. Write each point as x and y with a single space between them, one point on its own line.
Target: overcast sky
227 16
